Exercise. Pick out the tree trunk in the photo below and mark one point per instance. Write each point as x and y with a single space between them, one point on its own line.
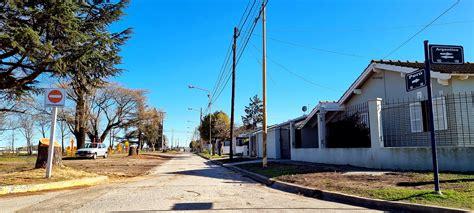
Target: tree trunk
213 144
80 120
42 158
132 151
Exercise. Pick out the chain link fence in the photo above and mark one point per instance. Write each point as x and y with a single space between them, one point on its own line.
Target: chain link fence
405 122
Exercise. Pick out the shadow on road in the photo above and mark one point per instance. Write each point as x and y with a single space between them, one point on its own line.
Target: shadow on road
216 172
192 206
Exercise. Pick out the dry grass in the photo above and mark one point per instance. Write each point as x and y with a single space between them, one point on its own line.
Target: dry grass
35 176
413 187
19 169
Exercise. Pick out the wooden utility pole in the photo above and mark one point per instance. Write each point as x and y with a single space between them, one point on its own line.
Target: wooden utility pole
234 50
264 93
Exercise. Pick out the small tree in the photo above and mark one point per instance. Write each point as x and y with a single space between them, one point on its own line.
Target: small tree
220 128
253 113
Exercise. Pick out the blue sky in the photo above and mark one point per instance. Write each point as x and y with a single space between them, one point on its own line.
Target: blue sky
177 43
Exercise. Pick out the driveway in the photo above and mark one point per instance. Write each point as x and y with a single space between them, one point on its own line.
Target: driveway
186 182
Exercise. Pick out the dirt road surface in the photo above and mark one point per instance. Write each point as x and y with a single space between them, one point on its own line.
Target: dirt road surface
186 182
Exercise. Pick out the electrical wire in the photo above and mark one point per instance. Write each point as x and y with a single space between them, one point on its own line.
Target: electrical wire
421 30
242 49
296 74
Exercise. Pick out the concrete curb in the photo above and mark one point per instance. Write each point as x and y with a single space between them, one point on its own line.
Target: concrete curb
10 189
340 197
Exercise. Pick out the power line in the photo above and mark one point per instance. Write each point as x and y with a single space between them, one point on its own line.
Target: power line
296 74
421 30
314 48
369 28
220 82
242 49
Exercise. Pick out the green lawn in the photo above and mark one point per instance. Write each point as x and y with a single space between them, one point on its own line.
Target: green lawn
14 157
212 157
414 187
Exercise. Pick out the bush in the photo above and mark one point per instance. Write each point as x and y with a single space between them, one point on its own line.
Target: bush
205 152
348 132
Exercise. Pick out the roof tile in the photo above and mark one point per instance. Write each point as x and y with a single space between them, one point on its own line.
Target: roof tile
466 68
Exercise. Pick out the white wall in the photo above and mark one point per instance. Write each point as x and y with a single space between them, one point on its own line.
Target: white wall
273 144
238 149
406 158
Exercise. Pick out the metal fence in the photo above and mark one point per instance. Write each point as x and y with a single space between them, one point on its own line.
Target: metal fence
349 128
405 122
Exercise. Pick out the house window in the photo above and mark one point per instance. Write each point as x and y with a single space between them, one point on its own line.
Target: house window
419 115
439 114
416 117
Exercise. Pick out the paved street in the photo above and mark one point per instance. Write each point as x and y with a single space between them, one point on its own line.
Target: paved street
186 182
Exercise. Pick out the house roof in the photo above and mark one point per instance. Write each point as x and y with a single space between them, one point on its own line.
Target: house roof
437 71
326 105
466 68
442 72
295 120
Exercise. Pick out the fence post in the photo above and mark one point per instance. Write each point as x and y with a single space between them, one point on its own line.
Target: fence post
375 123
321 128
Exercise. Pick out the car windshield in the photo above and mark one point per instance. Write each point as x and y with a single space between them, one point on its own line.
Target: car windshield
91 145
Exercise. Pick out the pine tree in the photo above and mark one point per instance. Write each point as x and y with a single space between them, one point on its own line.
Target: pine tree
254 113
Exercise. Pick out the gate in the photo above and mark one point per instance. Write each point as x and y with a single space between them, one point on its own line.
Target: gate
285 146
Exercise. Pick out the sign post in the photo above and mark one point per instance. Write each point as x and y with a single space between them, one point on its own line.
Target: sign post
54 98
446 55
430 115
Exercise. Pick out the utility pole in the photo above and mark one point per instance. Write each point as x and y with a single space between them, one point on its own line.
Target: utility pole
172 138
234 50
200 125
162 128
210 112
264 93
210 124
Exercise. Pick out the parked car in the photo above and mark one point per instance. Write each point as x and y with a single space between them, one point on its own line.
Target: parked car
93 150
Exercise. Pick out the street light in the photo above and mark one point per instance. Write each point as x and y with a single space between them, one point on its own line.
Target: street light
210 110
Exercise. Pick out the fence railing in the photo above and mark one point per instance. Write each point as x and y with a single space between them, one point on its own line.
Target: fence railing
349 128
405 122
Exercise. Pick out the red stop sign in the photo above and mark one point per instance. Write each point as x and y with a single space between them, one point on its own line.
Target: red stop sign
55 96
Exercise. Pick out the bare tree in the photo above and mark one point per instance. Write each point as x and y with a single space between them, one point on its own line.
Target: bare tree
26 128
63 126
116 106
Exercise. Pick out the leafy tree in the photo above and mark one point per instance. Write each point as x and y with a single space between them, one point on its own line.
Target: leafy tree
35 38
91 64
220 127
151 128
68 39
254 113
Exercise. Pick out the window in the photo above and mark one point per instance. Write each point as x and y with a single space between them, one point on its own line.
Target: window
439 114
419 115
416 117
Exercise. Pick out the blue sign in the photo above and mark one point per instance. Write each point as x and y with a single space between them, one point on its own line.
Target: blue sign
415 80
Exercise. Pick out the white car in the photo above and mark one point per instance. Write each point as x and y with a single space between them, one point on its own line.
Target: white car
93 150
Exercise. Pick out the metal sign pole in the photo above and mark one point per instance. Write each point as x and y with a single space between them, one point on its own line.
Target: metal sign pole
430 114
49 165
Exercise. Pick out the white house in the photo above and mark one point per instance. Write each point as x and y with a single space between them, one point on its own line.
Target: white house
378 124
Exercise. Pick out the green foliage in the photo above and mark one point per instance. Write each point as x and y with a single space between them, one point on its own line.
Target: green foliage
220 126
254 113
348 132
